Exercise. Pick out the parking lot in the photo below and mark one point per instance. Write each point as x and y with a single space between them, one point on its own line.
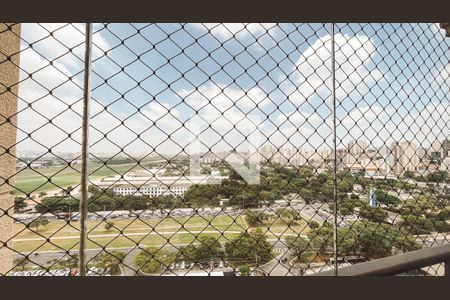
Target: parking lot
60 272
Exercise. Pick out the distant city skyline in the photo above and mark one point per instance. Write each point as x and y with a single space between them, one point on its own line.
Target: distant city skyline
357 157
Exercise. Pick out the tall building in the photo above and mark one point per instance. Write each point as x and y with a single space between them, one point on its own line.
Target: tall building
287 155
383 151
405 157
266 151
341 156
279 156
355 150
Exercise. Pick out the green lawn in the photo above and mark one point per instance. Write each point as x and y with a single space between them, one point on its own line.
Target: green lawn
29 180
120 241
148 232
130 232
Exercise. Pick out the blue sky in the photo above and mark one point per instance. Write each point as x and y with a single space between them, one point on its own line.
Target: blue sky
274 79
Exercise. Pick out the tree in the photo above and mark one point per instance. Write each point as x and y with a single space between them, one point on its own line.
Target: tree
20 262
313 224
376 214
374 244
201 195
385 198
42 221
249 247
446 147
418 224
245 270
321 238
408 174
438 176
153 260
266 196
66 191
208 249
368 239
110 261
375 240
56 204
109 225
189 253
70 262
247 198
19 204
353 196
255 218
307 195
288 216
206 170
297 245
347 241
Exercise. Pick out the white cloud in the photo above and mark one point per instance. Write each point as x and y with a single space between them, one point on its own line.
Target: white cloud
365 116
220 98
311 76
222 107
298 118
52 96
223 115
383 126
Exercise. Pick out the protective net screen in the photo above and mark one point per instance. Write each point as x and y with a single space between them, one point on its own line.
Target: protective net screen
223 149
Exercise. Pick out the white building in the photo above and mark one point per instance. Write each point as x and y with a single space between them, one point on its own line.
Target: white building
266 151
436 152
405 157
145 183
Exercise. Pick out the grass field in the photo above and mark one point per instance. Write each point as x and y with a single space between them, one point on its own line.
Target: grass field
130 232
29 180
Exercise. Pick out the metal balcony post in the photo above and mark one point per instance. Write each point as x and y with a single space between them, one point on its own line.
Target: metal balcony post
333 79
447 268
85 151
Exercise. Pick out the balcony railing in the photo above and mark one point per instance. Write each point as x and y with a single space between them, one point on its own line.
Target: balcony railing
398 264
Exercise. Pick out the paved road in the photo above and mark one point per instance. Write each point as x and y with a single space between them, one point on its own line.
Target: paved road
128 267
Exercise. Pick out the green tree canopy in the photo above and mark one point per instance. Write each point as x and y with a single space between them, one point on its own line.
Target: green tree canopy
249 247
298 245
153 260
375 214
110 261
255 218
385 198
41 221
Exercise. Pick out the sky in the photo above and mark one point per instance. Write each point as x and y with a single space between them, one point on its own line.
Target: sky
157 88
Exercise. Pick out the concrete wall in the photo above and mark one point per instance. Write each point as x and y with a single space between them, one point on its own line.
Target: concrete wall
9 77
